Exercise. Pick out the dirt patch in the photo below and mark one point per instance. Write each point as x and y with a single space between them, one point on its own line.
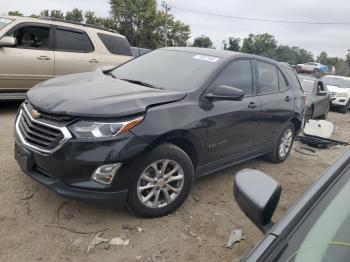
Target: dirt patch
198 231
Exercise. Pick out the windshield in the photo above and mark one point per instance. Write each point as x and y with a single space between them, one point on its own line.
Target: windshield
4 22
325 234
334 81
167 69
307 85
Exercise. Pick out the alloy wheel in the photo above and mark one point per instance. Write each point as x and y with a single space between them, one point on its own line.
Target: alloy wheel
286 143
160 183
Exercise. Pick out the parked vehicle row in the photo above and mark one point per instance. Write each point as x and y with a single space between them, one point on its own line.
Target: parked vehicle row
33 50
142 132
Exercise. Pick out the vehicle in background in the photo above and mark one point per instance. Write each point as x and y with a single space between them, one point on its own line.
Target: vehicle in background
339 86
318 98
35 49
136 136
315 228
311 67
138 51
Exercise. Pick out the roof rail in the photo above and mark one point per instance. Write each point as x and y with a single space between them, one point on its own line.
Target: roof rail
77 23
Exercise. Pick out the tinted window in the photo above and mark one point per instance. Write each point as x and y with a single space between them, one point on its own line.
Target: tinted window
172 70
32 37
115 44
308 85
237 74
282 81
268 79
292 77
76 41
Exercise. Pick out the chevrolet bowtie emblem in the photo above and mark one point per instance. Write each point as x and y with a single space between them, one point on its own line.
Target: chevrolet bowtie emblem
35 114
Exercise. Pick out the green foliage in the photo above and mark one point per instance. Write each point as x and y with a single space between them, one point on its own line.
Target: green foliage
258 44
15 13
144 25
75 15
233 44
203 41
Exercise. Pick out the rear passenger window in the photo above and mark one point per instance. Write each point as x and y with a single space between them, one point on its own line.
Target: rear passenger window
237 74
115 44
267 77
73 41
282 81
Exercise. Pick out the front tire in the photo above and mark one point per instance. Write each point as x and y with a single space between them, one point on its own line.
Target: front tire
283 145
163 179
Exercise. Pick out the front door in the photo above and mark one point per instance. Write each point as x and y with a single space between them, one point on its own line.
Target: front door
29 62
232 124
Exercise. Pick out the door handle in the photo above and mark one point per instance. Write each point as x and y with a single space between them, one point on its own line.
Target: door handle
43 57
287 99
93 61
252 105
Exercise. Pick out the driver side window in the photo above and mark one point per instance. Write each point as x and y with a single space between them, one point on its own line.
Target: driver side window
33 37
237 74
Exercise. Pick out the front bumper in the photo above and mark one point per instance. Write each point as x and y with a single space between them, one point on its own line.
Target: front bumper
68 170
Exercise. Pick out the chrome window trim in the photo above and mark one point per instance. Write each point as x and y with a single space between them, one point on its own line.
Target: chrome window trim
64 130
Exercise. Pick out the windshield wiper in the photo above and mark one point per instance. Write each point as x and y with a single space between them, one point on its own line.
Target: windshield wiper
110 74
138 82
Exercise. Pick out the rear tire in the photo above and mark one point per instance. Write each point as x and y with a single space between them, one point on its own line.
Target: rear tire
283 145
164 193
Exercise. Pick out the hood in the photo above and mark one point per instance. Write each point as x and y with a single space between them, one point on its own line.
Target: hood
337 89
95 94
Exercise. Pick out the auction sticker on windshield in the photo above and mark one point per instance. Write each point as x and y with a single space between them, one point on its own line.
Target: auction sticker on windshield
206 58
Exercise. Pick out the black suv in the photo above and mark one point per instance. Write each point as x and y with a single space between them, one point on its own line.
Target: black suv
142 132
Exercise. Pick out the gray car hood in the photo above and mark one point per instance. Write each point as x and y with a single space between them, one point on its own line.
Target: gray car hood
97 95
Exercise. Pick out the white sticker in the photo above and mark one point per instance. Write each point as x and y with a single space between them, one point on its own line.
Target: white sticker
6 21
206 58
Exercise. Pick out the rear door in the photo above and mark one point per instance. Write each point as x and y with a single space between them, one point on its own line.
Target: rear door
29 62
74 51
276 100
233 123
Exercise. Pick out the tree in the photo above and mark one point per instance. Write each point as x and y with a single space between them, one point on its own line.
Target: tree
259 44
323 58
233 44
203 41
76 15
15 13
144 25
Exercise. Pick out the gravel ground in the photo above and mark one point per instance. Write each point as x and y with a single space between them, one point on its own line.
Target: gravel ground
198 231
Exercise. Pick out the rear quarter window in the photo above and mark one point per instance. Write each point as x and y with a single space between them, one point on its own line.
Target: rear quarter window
116 45
292 78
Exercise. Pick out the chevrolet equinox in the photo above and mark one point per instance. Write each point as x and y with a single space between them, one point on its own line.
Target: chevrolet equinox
142 132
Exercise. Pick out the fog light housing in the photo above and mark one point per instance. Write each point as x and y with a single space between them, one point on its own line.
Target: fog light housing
105 174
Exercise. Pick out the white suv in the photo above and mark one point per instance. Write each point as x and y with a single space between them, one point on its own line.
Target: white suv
340 89
35 49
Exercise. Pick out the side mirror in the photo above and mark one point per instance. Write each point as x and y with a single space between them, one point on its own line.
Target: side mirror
322 93
8 41
257 194
225 92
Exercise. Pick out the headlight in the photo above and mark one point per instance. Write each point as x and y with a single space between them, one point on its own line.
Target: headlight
341 94
88 129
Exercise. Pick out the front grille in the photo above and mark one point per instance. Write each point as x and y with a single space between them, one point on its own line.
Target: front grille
39 135
57 119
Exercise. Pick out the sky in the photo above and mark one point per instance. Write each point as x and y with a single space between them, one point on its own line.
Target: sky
334 39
